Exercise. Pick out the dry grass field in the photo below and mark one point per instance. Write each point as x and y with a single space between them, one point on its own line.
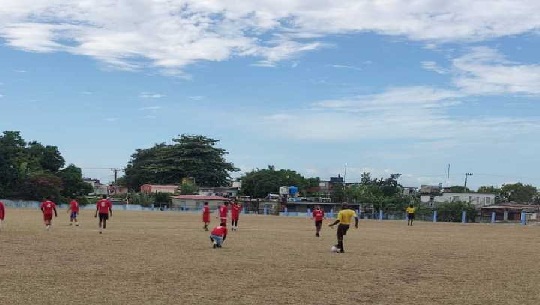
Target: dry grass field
166 258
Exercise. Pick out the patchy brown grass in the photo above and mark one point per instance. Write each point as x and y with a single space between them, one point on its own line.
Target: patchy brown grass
166 258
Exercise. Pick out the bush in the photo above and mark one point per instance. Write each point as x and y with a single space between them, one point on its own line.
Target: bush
451 211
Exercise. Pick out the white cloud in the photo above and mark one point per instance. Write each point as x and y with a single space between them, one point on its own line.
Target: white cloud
172 34
346 67
19 71
196 97
433 66
150 108
417 114
151 95
111 119
486 71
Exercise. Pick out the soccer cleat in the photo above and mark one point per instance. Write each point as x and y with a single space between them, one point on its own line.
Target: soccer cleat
215 245
317 234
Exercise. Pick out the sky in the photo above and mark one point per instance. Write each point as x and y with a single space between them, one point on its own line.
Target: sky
322 87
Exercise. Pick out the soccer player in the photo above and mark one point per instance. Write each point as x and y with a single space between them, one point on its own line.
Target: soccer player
318 216
104 208
206 216
223 210
218 235
344 220
2 213
48 207
410 214
235 215
74 211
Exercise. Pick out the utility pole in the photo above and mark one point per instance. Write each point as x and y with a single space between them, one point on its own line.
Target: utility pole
115 170
466 176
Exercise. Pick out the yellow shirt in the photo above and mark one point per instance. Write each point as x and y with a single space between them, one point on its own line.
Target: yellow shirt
345 216
411 210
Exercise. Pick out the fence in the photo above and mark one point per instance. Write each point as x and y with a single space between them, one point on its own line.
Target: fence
434 216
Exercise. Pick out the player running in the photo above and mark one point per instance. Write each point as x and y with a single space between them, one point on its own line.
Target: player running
344 220
218 235
318 216
104 208
74 211
48 207
206 216
235 215
410 214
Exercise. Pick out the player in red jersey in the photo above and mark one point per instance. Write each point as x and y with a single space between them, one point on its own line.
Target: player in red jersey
48 207
235 214
104 208
218 235
2 213
206 216
74 209
318 216
223 210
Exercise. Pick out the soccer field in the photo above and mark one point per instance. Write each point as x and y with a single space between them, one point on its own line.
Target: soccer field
166 258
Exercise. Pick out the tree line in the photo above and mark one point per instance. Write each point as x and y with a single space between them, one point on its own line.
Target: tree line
33 171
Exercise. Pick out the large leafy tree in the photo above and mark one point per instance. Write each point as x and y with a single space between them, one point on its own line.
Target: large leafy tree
72 182
190 156
260 182
519 192
34 171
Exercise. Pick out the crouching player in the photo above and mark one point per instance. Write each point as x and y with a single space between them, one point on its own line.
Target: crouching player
218 235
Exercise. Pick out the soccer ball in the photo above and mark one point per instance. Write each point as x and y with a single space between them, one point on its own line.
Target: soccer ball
334 249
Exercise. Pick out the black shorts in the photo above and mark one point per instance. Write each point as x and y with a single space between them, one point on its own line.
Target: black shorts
103 216
410 216
342 229
318 223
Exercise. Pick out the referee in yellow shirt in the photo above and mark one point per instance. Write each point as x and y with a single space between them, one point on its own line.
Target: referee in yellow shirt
344 220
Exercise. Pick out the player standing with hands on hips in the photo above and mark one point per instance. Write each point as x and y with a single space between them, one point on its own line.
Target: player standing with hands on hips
344 220
104 208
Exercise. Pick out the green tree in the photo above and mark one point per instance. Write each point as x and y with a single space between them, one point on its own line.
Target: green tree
519 192
188 188
40 186
33 171
260 182
459 189
196 157
451 211
72 182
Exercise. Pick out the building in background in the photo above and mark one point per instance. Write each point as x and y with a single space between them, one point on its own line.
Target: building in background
156 188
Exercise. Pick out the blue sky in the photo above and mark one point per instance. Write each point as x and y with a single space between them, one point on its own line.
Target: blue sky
314 86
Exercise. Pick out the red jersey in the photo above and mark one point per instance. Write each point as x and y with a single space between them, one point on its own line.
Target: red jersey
223 210
206 213
2 211
219 231
74 206
318 215
47 207
103 206
235 211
